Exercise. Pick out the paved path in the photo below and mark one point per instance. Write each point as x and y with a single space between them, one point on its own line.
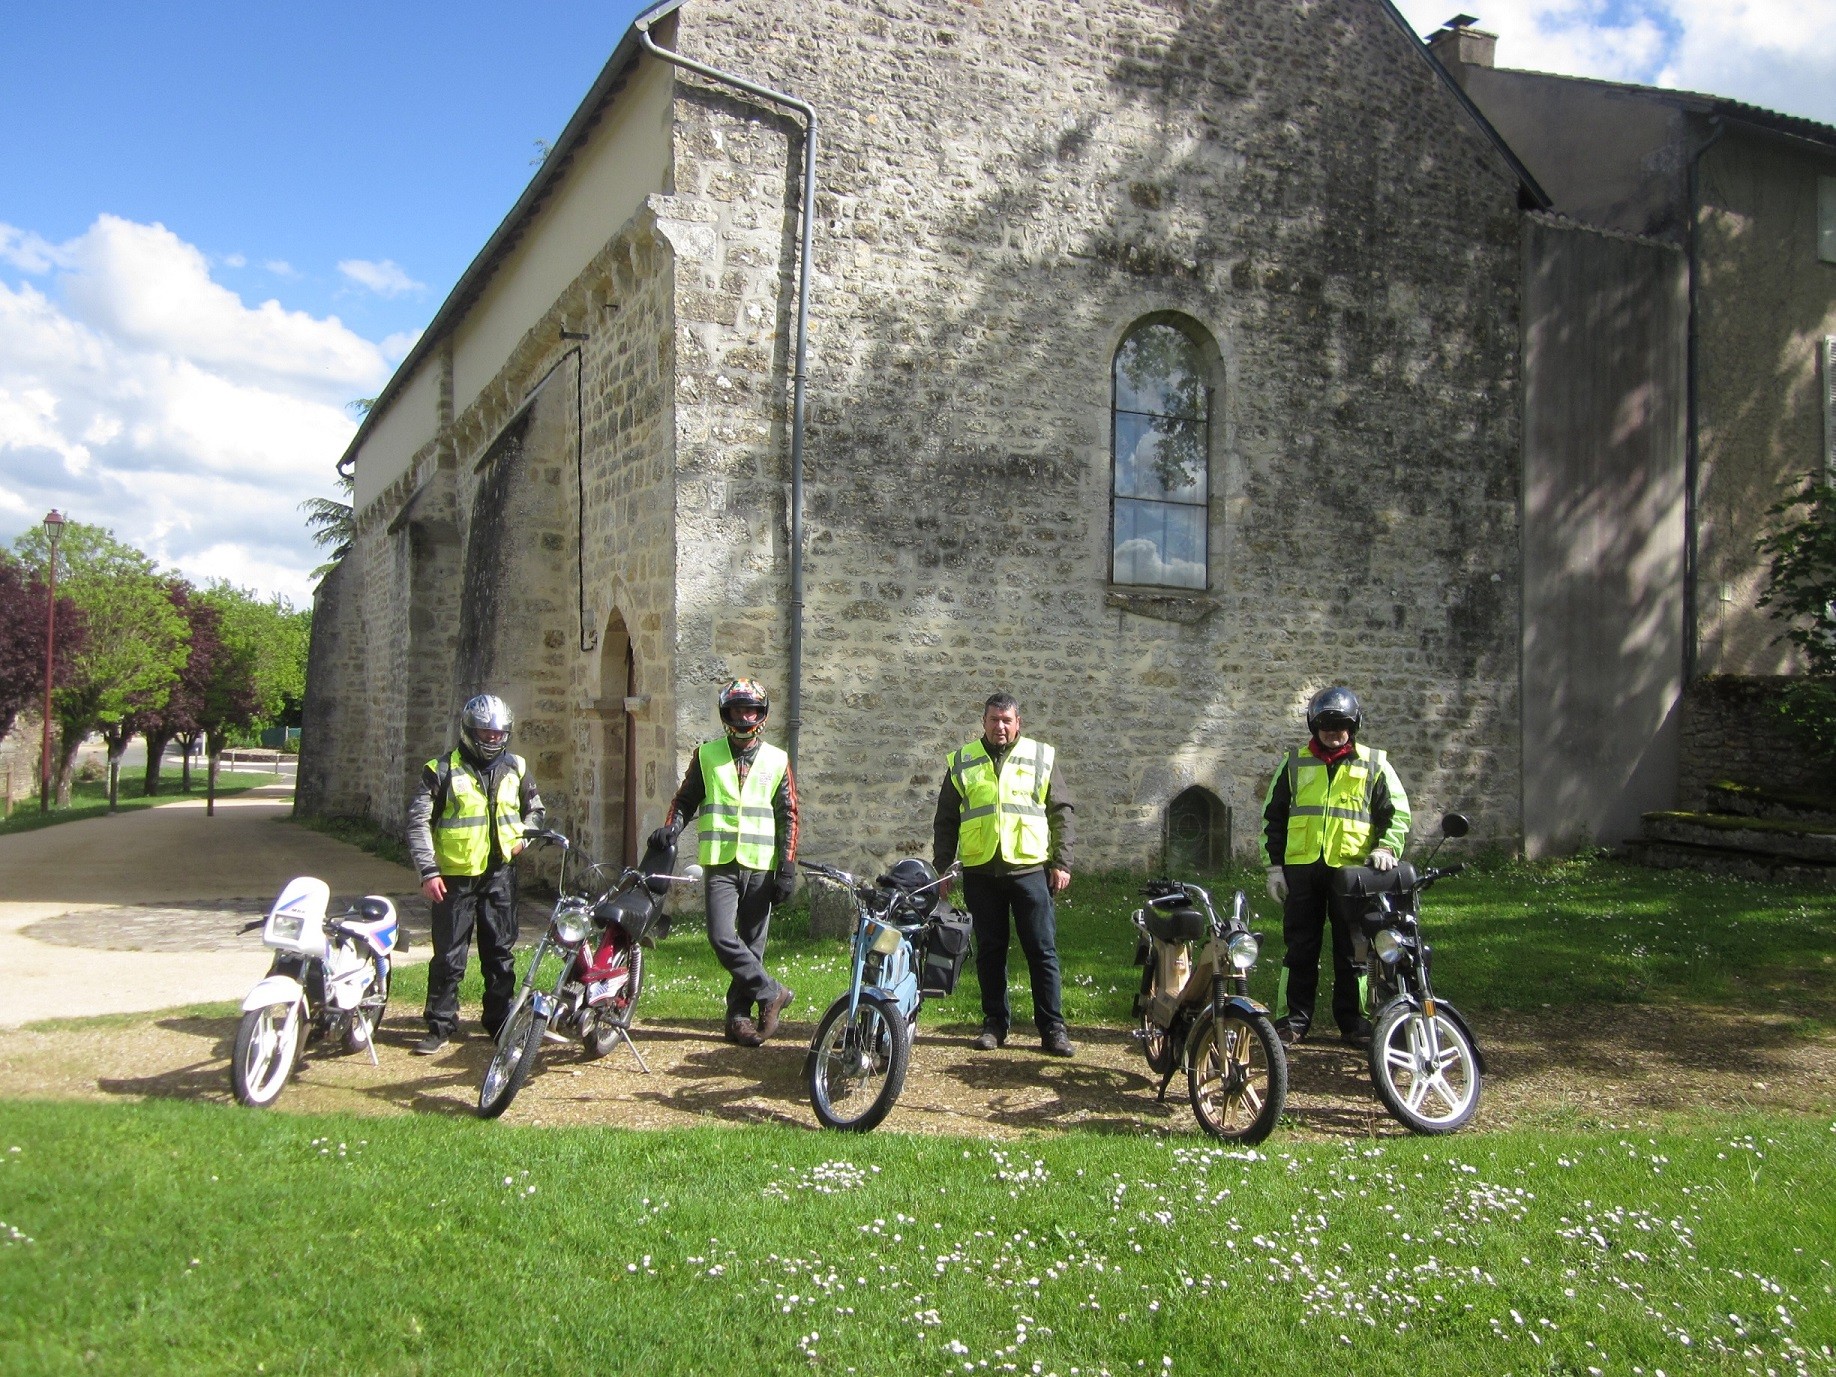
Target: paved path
140 911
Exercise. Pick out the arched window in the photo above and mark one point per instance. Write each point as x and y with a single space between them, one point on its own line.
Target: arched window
1161 459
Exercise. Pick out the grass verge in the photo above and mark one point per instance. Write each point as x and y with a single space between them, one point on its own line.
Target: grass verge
91 800
1573 934
180 1237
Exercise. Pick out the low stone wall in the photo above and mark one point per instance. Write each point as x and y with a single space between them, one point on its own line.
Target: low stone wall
1732 729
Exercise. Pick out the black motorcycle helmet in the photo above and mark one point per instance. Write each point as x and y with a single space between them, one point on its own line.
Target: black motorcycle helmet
1334 709
912 874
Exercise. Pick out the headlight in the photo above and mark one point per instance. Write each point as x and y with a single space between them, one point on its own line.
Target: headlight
886 940
286 925
1243 950
1388 945
572 920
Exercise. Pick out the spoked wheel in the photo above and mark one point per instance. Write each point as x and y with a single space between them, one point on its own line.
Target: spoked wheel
856 1067
518 1042
1237 1078
367 1017
1426 1070
1161 1053
267 1046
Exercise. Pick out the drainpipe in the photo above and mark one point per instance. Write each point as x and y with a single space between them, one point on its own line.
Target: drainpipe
794 690
1692 455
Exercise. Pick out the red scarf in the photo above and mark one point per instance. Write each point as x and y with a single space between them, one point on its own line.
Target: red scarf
1327 757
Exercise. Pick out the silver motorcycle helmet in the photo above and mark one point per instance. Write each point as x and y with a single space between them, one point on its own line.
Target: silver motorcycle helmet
1335 709
484 726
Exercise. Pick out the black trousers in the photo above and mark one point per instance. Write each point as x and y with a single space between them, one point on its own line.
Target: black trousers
485 904
992 900
739 921
1304 918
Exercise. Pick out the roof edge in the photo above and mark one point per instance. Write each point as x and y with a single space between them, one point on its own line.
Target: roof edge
484 263
1525 180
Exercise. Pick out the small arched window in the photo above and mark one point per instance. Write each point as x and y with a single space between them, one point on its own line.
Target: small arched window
1161 459
1198 831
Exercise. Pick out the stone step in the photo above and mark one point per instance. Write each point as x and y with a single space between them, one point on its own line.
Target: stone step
1715 860
1795 841
1751 801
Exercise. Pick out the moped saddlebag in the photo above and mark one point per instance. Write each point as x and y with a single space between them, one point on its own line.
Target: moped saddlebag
946 947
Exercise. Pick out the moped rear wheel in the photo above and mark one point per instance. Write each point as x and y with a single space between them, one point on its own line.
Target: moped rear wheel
367 1017
518 1043
856 1067
267 1048
1426 1070
1237 1078
1159 1049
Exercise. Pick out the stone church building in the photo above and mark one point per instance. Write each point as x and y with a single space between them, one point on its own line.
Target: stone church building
1165 363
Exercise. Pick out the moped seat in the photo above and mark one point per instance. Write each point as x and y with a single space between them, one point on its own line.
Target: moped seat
1174 925
1363 882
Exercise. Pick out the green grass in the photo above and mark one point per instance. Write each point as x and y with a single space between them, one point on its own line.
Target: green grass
1565 935
89 800
176 1237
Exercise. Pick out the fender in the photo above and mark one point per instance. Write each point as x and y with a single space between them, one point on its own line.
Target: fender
1241 1004
1441 1006
273 989
545 1005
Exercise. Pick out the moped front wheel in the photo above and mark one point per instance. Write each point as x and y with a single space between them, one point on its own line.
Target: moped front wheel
267 1048
518 1043
1237 1077
1426 1070
856 1067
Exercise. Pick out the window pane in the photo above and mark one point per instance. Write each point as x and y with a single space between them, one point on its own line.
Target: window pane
1159 543
1160 458
1160 371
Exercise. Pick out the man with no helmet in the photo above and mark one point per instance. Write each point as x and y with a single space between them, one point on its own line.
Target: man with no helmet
1005 813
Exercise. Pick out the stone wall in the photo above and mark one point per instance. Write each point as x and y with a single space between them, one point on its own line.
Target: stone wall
1004 192
1732 730
21 755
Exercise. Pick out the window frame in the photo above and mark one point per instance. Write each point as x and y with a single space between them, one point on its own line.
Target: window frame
1201 344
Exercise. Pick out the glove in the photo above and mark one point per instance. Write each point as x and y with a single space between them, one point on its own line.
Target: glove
665 837
784 884
1278 884
1383 859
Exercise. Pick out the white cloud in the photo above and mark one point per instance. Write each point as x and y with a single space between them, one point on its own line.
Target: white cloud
1779 54
385 278
136 393
280 267
236 260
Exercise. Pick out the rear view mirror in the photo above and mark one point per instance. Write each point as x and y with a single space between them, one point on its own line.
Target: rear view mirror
1455 825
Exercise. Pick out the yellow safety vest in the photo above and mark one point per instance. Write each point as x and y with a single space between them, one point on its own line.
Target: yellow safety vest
1331 818
462 843
1008 813
738 822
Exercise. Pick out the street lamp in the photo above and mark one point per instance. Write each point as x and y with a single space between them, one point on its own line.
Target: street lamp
54 527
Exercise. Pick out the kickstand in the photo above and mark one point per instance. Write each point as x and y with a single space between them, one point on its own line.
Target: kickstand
1165 1081
625 1035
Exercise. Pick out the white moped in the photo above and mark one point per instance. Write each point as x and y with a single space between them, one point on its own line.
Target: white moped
329 980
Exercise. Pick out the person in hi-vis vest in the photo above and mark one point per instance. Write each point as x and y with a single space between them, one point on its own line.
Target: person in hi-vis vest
1004 812
465 827
742 787
1331 804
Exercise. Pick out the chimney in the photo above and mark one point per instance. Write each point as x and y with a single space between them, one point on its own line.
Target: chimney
1457 43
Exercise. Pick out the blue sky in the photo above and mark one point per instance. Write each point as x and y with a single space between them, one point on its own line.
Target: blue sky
220 223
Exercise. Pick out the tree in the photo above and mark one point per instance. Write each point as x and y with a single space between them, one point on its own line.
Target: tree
22 640
332 523
275 639
134 644
178 719
1801 592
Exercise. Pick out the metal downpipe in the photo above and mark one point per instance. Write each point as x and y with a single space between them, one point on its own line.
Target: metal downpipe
794 689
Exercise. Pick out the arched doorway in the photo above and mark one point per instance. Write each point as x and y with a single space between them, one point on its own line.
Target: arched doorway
1197 832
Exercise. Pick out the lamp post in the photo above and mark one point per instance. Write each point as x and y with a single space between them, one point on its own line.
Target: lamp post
54 527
